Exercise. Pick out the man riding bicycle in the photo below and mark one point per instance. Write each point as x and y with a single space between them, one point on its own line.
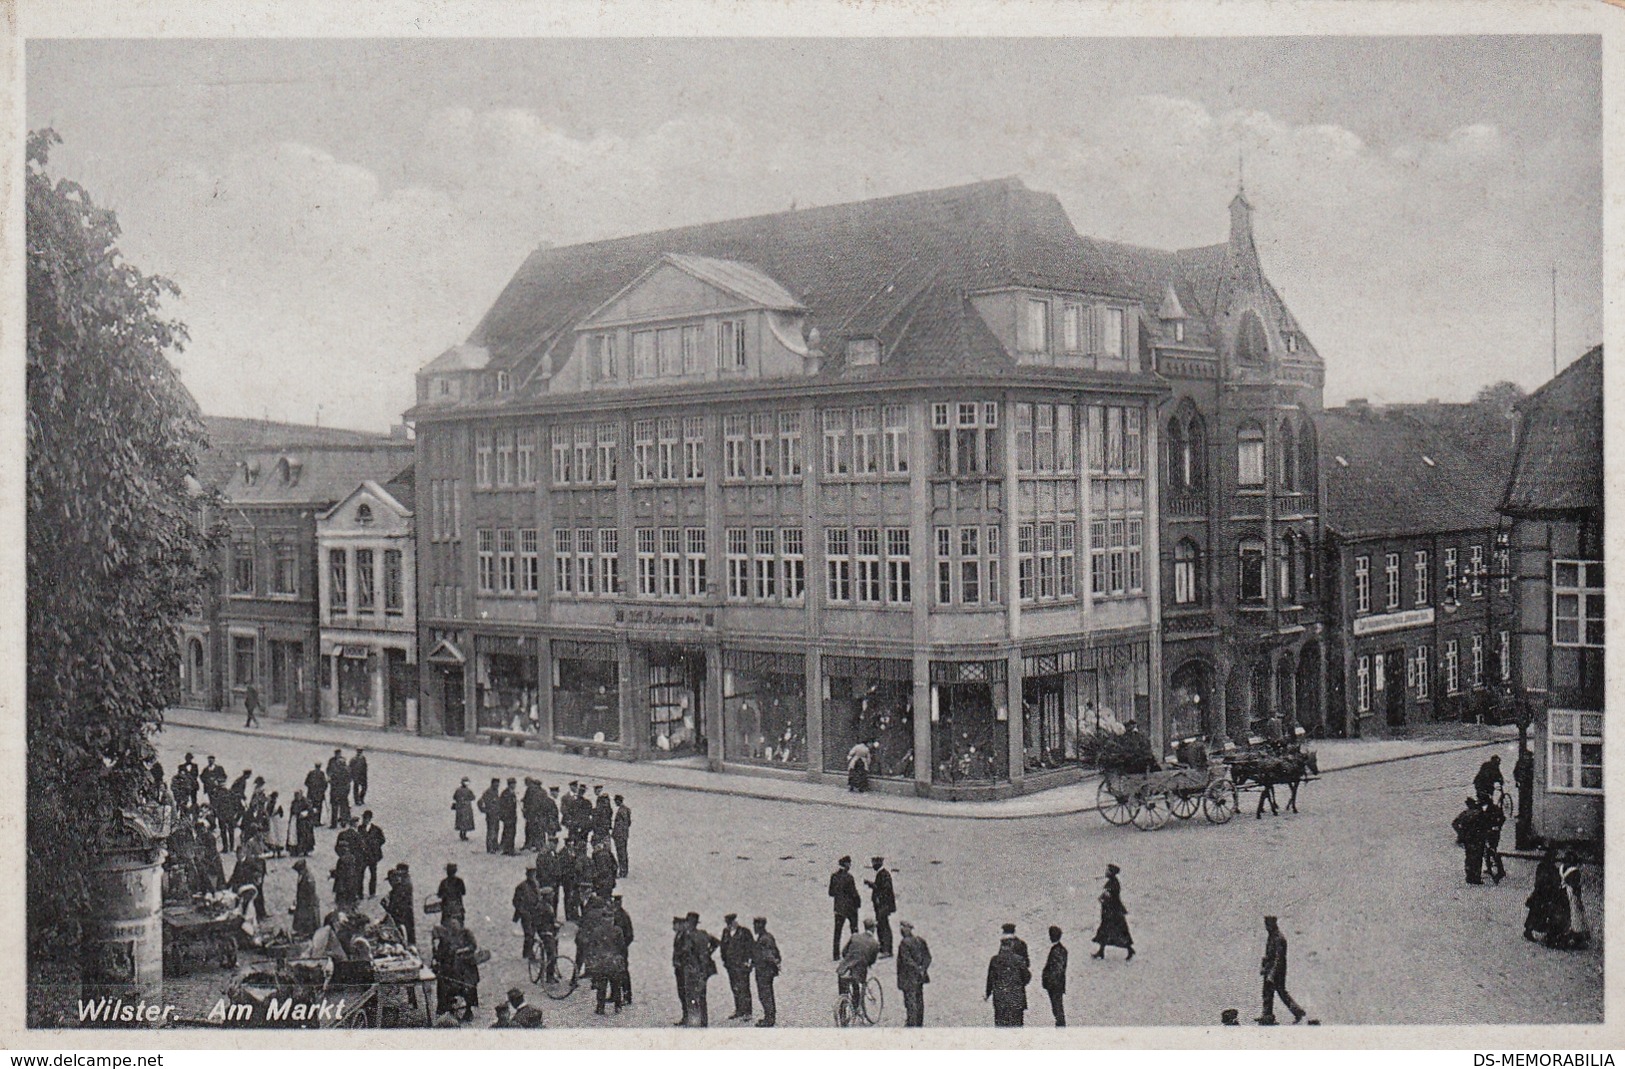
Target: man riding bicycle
857 957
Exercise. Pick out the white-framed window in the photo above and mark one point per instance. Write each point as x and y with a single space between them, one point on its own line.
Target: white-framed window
482 458
1424 672
587 560
505 456
643 451
1577 604
899 567
793 548
1362 584
970 565
1424 575
561 438
735 447
604 357
1362 685
868 586
671 562
485 543
694 448
837 441
609 447
1452 666
644 356
1026 567
507 562
1072 327
564 567
504 382
1046 561
1475 562
990 554
530 567
1112 343
895 418
1037 339
970 446
1503 657
765 566
1187 572
838 563
1066 559
1503 569
1450 590
1024 437
691 350
585 453
866 441
1179 330
763 449
945 565
1478 661
731 345
648 569
694 563
609 559
737 563
1250 455
1574 752
525 454
1390 574
338 582
669 429
790 444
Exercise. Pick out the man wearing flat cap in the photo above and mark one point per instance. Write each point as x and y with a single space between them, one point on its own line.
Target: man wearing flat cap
913 973
767 962
508 811
1007 934
698 968
843 890
738 957
1273 970
679 940
883 898
520 1014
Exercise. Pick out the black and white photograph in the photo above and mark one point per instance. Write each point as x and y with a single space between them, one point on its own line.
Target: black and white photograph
1034 528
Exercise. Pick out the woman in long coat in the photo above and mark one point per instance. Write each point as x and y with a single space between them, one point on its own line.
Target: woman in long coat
462 800
1113 930
1548 904
307 909
304 825
456 966
275 826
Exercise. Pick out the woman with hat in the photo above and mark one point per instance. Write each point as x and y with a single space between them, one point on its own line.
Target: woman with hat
462 802
398 902
452 891
1113 930
307 909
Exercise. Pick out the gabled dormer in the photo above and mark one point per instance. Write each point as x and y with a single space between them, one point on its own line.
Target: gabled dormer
1259 340
689 319
368 510
458 375
1046 328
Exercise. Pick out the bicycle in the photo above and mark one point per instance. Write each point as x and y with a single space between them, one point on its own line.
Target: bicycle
861 1006
554 973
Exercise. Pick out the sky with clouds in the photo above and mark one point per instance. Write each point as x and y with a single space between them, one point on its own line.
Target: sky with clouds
337 213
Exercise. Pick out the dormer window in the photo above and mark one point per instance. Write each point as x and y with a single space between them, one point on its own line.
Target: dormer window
1112 343
502 382
1291 341
1037 339
363 515
604 362
1072 327
1179 330
863 352
731 345
445 387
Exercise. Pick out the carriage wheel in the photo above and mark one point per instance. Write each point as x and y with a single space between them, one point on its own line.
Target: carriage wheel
1184 804
1219 803
1153 810
1118 808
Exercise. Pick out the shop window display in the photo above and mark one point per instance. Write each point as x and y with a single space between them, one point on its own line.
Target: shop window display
586 692
677 722
355 684
506 687
970 736
764 708
870 701
1073 699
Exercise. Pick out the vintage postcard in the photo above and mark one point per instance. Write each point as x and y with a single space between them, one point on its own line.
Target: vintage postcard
776 522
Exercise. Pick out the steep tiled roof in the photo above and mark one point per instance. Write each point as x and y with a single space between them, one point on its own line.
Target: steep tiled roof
1560 447
403 487
1386 474
868 268
743 280
325 474
230 437
1154 272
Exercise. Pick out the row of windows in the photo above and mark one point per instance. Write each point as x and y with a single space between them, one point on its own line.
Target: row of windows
668 352
1370 675
1453 579
766 564
967 565
445 510
353 582
282 578
868 565
1094 329
505 457
1295 457
1294 574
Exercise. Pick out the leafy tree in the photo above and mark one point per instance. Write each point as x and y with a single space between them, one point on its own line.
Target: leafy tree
1500 396
117 550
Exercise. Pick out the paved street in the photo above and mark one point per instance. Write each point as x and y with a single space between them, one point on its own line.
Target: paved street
1382 928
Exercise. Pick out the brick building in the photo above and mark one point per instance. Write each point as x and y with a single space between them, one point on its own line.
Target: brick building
758 490
1420 600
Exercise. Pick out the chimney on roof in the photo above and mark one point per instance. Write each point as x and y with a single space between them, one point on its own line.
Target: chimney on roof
397 432
1359 404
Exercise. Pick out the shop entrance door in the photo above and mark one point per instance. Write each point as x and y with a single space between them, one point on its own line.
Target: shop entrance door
451 703
1393 668
402 682
677 713
287 675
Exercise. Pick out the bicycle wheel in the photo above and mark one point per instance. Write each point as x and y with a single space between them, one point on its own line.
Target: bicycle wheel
843 1011
563 983
874 1001
533 966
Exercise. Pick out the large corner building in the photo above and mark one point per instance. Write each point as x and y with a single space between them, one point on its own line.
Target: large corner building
925 472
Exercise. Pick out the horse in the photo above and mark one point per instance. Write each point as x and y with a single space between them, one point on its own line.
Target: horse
1269 771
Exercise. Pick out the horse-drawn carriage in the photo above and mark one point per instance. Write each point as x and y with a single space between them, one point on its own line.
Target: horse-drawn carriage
1133 792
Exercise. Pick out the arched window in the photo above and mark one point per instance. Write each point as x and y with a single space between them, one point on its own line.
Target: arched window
1286 567
1178 453
1252 345
195 655
1196 451
363 514
1250 454
1187 573
1250 559
1308 460
1287 457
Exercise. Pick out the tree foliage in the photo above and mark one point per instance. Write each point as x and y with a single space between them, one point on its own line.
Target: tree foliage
117 550
1500 395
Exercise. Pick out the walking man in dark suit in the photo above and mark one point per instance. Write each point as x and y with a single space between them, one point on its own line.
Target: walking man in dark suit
509 811
913 973
372 841
766 962
738 958
883 897
1054 976
1007 979
621 826
844 891
490 804
1273 969
338 789
316 792
358 776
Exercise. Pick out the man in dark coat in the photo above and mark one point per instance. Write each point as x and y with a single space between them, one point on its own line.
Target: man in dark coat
549 872
1054 976
316 790
372 841
188 774
1493 819
490 804
603 874
399 903
883 898
679 943
520 1013
623 921
621 832
303 815
527 910
338 789
346 878
1007 979
569 880
228 811
1488 778
766 963
452 891
307 908
698 967
603 815
1273 970
549 804
530 809
350 841
913 973
213 778
1469 825
1008 935
508 810
843 891
585 872
462 805
738 958
358 776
